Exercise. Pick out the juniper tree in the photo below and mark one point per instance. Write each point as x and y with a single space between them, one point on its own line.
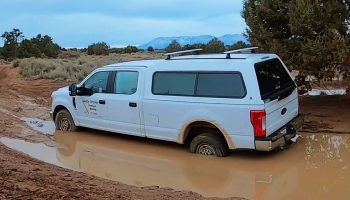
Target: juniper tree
310 35
214 46
12 40
173 46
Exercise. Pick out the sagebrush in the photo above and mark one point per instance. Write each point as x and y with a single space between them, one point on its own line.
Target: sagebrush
74 69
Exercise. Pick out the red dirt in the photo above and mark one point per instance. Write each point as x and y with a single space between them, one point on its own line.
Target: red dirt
326 114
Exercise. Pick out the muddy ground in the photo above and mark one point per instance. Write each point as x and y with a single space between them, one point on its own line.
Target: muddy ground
22 177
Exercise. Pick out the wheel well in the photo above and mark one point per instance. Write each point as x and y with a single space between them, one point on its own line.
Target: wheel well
196 128
57 109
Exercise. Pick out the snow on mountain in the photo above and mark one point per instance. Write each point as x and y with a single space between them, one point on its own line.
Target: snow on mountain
163 42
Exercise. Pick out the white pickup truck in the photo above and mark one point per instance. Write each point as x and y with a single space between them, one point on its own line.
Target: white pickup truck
214 103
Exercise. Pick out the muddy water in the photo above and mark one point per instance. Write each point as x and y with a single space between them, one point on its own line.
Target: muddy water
44 127
317 167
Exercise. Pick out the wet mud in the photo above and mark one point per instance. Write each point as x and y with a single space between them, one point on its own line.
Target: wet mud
316 167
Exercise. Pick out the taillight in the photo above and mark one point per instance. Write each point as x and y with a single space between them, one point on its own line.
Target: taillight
258 120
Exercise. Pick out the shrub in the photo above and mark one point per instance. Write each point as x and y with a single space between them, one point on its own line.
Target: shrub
73 69
69 54
173 46
39 47
100 48
131 49
214 46
150 49
15 63
4 62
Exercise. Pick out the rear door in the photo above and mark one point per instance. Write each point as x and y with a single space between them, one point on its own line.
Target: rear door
124 105
279 93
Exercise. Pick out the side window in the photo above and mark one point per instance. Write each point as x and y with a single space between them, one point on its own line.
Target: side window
173 83
220 85
97 82
126 82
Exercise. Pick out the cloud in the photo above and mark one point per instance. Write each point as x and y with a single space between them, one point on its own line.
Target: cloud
81 22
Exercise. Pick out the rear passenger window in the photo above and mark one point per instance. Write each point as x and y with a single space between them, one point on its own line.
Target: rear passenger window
182 84
228 85
126 82
203 84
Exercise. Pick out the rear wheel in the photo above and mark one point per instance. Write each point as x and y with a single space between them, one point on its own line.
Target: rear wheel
210 144
64 121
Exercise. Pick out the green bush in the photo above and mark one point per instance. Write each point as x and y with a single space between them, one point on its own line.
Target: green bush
100 48
173 47
214 46
131 49
150 49
39 47
237 45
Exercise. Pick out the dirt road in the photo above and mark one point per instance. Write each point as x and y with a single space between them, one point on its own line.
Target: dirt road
23 177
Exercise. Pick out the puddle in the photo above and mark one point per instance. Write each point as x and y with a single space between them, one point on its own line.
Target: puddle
317 167
45 127
328 92
35 150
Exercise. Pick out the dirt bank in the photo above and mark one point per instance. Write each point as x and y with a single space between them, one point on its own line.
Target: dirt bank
326 114
22 177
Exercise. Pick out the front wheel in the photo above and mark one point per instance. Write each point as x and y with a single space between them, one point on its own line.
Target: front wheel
64 121
209 144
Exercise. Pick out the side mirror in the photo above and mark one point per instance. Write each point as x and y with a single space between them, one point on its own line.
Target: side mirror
73 89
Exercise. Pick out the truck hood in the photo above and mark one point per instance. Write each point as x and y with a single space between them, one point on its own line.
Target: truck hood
61 91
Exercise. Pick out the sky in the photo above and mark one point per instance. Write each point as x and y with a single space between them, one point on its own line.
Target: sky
78 23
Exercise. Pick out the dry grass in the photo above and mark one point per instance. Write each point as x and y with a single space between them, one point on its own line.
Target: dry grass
4 62
73 68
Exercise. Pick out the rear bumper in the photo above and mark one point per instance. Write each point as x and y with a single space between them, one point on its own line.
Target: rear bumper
281 137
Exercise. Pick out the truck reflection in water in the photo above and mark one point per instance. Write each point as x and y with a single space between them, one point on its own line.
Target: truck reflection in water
316 167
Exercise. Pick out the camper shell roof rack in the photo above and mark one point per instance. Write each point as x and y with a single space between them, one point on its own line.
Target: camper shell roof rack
244 50
228 53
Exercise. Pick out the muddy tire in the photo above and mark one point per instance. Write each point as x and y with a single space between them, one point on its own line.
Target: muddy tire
209 144
64 121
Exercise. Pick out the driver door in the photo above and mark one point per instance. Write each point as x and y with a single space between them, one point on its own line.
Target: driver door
91 106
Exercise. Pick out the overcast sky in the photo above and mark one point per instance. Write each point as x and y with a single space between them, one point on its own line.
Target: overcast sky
78 23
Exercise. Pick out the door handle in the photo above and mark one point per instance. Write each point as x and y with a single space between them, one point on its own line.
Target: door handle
102 102
132 104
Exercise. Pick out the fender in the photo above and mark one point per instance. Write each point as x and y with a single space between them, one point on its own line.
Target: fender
197 116
61 101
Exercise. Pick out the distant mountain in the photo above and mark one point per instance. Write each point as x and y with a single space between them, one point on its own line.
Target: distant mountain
163 42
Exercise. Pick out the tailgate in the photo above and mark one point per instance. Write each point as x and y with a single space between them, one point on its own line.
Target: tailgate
280 112
279 93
